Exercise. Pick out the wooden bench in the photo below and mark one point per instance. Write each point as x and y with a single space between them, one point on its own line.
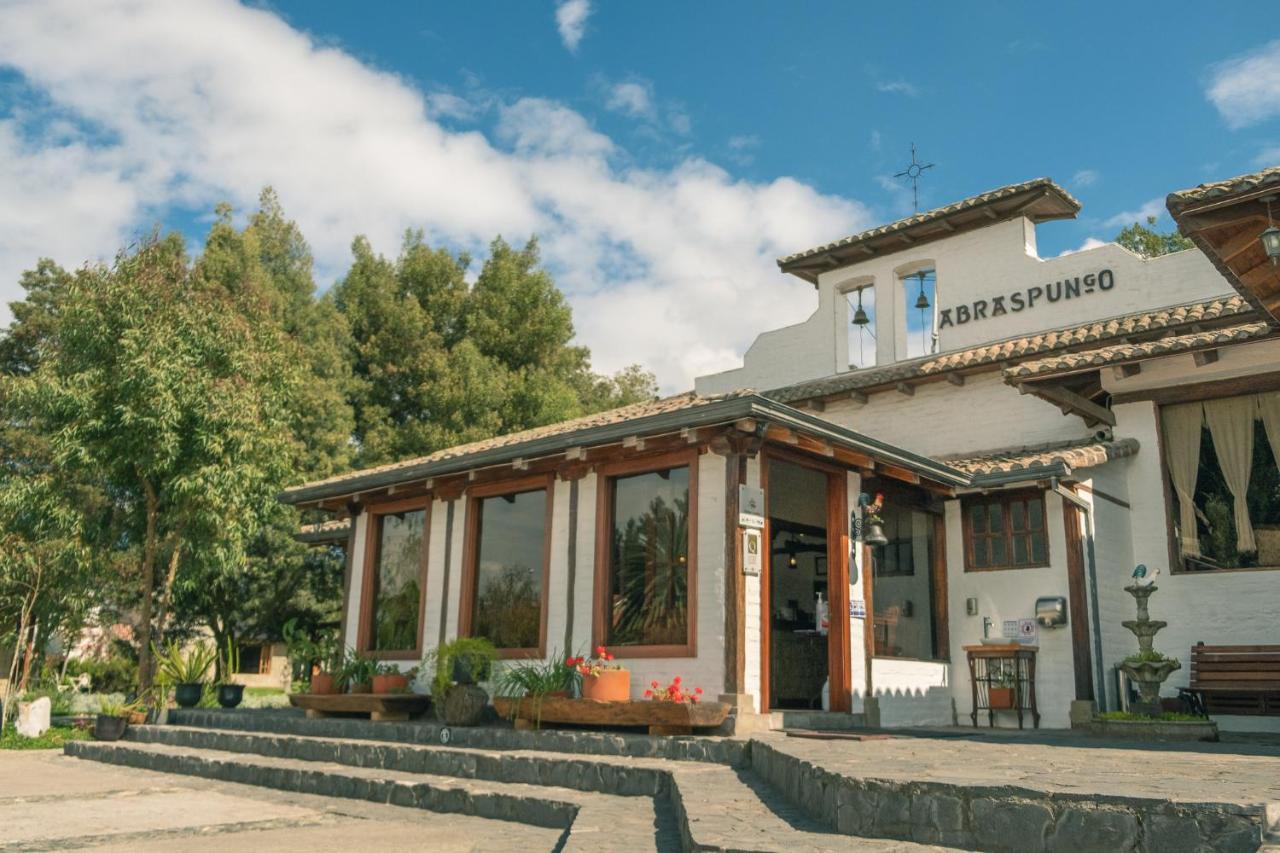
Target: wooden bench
661 718
1234 680
390 707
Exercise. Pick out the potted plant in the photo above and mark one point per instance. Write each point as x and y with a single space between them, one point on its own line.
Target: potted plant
457 668
230 694
1001 692
321 659
112 720
358 673
602 679
389 678
185 670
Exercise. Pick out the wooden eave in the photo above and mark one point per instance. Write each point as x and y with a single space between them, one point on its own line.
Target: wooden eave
1227 228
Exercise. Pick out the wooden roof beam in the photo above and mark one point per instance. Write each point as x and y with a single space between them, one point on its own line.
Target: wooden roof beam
1071 401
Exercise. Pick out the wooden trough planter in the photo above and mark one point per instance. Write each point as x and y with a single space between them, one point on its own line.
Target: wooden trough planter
661 718
379 706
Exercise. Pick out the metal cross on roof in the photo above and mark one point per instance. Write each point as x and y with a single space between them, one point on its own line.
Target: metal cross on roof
912 173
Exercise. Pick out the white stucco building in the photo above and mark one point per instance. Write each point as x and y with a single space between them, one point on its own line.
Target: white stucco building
1038 426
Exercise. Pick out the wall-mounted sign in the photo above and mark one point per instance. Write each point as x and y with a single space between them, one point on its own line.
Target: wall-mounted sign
1020 631
750 506
1022 300
751 552
857 608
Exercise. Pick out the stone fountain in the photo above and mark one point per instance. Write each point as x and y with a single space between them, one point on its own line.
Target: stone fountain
1146 669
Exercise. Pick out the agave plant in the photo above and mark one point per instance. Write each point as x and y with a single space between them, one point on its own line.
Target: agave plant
179 666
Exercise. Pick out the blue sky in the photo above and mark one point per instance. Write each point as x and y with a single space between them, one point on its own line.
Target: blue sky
664 153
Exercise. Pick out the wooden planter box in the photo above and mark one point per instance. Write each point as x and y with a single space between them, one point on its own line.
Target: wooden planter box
380 706
661 718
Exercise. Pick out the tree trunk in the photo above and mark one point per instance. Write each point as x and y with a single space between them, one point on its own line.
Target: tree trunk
28 657
162 618
148 588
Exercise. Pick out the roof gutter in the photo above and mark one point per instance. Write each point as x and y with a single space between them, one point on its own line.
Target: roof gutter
997 479
714 413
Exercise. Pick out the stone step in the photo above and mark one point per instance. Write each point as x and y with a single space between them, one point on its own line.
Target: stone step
696 806
720 750
590 821
817 721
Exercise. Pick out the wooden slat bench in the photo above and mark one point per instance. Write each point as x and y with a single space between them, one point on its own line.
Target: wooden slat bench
1236 679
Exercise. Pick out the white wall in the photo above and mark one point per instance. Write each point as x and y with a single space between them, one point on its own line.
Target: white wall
978 265
940 418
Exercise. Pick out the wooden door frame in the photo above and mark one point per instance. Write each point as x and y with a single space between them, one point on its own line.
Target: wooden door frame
839 669
1078 601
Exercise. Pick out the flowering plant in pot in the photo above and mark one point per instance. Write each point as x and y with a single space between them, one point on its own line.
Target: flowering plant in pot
602 679
185 670
358 673
230 694
673 692
389 678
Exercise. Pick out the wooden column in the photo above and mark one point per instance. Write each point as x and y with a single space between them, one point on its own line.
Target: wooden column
1077 598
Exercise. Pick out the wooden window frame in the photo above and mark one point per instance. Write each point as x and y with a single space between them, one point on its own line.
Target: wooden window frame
373 532
605 475
1004 499
471 556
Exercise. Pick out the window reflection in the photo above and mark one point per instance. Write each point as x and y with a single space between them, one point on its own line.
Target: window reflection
511 535
648 559
397 593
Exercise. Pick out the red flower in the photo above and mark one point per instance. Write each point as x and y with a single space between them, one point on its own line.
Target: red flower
600 650
675 680
648 694
608 655
698 690
570 662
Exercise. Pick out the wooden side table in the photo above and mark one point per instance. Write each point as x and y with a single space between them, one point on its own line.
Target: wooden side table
1003 678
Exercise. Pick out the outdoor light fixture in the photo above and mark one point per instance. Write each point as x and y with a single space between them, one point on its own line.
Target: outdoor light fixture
1271 237
860 316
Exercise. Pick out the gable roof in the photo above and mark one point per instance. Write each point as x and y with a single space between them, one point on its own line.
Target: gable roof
1088 335
1039 200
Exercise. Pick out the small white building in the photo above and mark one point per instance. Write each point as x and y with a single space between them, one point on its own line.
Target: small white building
1038 426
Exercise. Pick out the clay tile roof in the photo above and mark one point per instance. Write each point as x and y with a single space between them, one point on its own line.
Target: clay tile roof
1073 362
1073 337
679 402
1039 200
1205 193
325 531
1045 460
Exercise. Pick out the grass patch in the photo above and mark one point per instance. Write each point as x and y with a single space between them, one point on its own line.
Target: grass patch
1166 717
54 738
263 691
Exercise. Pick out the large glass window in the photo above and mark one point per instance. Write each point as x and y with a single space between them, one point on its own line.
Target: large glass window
907 615
1221 453
397 590
1005 531
648 560
510 556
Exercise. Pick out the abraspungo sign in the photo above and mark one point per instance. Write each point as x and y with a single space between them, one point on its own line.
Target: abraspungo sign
1024 300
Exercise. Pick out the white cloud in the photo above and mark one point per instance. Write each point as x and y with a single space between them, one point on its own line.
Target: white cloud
1155 207
631 97
1085 178
1089 243
571 20
160 105
898 87
1246 88
1268 157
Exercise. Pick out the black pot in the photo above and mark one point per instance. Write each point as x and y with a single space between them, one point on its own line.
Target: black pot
230 695
188 695
109 728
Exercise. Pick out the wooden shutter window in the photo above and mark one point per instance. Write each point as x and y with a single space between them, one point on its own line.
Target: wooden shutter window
1005 532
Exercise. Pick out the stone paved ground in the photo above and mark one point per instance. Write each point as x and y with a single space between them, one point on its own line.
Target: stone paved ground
49 801
1232 772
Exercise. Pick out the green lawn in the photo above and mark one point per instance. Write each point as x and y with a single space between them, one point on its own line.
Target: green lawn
52 739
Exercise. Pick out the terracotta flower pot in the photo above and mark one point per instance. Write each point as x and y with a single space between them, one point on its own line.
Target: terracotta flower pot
611 685
324 683
361 687
1001 698
390 683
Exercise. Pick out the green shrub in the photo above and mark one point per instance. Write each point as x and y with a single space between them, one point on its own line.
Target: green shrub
54 738
115 674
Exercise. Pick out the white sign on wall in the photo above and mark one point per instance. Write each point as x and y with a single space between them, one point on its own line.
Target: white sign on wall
751 556
750 507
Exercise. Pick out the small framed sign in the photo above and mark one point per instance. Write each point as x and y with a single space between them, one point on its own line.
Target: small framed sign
857 608
750 507
751 552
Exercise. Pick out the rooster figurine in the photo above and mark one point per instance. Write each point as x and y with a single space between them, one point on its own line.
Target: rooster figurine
1144 577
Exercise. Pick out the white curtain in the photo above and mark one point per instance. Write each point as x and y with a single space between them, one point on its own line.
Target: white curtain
1230 423
1182 454
1269 409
